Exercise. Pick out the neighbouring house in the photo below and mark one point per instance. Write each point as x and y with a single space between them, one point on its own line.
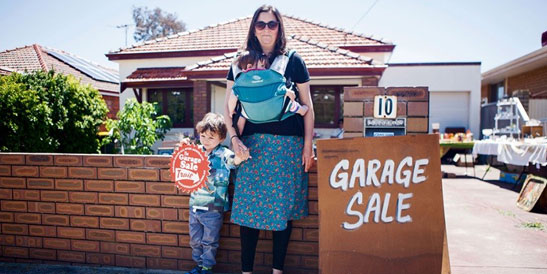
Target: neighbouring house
524 77
454 90
185 73
36 57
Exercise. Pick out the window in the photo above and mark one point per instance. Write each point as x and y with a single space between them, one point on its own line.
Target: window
176 103
501 91
328 102
497 92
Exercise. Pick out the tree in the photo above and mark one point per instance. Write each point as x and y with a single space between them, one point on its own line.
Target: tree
49 112
137 128
152 24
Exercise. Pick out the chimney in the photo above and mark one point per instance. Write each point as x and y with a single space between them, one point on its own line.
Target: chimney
544 39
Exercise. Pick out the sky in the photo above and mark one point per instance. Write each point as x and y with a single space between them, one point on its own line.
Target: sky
492 32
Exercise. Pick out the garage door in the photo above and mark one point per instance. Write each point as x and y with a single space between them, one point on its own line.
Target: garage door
449 109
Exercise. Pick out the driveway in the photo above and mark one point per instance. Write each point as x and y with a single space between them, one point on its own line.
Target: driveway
487 232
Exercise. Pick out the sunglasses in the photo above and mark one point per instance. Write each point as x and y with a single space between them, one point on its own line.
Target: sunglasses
260 25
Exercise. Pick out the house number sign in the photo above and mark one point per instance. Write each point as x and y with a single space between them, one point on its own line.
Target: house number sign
385 106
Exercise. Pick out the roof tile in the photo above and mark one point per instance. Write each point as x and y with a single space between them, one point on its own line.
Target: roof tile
315 56
34 57
232 34
156 74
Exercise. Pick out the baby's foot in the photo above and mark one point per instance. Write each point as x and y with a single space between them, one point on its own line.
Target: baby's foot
298 108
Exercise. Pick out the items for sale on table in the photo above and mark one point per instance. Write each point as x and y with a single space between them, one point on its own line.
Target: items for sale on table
532 129
457 137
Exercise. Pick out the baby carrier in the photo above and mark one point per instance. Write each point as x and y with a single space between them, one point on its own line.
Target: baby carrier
261 93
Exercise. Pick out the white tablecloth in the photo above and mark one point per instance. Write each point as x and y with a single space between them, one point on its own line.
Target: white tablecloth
520 153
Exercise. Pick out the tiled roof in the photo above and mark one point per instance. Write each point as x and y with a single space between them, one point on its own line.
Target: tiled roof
316 55
231 35
6 71
22 59
36 57
156 74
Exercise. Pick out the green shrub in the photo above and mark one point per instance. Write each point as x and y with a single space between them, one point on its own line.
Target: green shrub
49 112
137 128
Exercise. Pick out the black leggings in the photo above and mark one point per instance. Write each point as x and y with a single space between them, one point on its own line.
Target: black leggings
249 239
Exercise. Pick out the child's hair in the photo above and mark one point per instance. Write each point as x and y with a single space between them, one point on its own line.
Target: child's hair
213 122
251 57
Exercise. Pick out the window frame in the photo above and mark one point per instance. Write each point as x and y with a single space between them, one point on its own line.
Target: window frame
188 110
495 91
338 92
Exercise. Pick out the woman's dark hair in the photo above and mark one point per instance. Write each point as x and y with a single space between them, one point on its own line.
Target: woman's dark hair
280 42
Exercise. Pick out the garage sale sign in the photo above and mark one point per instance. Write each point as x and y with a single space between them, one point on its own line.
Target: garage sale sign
380 205
189 168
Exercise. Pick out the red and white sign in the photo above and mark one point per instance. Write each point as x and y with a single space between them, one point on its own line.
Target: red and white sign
189 168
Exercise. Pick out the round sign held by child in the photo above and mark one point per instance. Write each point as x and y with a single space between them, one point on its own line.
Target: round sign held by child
189 168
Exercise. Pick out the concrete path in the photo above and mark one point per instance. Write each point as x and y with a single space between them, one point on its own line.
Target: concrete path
487 232
18 268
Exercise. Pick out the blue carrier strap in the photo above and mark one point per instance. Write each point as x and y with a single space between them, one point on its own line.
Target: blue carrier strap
287 102
280 63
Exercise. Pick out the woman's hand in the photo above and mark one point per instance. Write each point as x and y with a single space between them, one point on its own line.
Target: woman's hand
240 149
307 157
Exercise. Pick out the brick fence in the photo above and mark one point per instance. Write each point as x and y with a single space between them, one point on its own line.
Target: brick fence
412 104
117 210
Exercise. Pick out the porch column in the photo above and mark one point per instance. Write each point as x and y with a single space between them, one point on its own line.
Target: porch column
202 99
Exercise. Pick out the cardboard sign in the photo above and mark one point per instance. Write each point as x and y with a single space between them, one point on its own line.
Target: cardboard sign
381 205
189 168
531 192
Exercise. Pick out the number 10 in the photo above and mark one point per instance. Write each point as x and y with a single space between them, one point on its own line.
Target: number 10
388 106
385 107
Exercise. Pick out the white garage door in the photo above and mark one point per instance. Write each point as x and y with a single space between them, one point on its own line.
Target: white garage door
449 109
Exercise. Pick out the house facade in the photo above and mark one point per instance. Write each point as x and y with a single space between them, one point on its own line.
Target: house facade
185 73
36 57
454 90
525 77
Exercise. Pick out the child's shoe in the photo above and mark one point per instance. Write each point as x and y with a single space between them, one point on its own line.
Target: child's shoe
206 270
196 270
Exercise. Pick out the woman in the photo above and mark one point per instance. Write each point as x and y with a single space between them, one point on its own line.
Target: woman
271 186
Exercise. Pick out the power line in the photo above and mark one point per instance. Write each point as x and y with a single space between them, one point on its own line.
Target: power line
365 14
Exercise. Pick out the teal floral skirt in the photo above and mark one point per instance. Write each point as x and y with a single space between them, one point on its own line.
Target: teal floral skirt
271 187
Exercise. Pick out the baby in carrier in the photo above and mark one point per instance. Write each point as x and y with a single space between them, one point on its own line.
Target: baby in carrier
250 61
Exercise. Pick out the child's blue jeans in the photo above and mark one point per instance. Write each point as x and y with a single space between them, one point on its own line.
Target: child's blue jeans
204 235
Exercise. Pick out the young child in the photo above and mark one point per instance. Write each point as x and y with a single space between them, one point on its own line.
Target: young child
252 60
208 204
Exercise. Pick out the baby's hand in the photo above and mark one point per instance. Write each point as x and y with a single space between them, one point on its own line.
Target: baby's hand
290 93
